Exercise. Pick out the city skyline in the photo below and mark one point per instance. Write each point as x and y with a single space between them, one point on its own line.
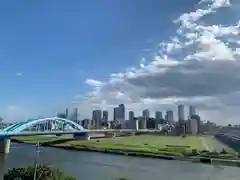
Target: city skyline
190 124
125 90
152 57
173 115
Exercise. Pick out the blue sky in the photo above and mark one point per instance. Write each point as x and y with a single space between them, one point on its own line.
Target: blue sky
54 53
49 48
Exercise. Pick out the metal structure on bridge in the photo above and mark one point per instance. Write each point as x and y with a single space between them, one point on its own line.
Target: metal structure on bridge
44 124
53 126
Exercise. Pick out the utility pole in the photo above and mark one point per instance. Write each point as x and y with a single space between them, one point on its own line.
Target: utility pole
36 160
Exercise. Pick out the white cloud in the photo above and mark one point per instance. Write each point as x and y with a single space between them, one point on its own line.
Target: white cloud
19 74
11 107
199 66
93 82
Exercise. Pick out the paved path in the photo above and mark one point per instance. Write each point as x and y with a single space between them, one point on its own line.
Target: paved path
212 144
205 144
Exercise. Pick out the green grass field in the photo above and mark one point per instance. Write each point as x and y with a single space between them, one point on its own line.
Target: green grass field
144 144
34 139
140 142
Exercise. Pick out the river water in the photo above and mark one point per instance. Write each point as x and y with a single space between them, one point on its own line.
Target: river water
97 166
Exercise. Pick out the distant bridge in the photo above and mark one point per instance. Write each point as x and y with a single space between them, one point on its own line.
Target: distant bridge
52 126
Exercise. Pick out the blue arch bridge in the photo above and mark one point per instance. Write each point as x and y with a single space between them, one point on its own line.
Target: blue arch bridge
42 126
51 126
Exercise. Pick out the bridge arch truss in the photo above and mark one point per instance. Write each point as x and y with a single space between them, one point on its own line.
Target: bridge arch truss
44 124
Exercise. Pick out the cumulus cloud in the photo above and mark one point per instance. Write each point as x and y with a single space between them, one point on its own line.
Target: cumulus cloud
199 65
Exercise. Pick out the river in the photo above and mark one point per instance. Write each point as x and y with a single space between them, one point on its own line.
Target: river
97 166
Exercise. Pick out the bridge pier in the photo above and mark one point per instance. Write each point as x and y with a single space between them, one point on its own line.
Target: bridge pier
5 144
81 136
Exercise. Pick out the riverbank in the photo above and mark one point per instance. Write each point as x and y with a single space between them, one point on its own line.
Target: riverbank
160 147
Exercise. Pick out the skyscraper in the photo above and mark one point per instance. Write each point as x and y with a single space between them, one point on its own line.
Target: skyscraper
105 116
97 118
121 114
158 115
75 115
192 111
115 114
145 114
131 115
158 119
194 126
66 113
181 113
198 119
170 118
143 120
131 123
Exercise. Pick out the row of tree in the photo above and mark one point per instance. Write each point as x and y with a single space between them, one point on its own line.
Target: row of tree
41 172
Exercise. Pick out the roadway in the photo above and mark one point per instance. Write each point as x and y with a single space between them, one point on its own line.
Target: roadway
27 133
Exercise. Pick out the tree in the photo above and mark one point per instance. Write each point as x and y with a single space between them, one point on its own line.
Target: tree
224 151
42 173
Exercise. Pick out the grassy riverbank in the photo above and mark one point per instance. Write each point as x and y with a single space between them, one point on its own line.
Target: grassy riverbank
147 145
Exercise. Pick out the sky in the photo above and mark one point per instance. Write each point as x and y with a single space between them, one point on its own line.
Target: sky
95 55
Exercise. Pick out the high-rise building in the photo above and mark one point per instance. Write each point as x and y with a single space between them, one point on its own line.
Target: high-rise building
193 126
121 116
75 115
170 117
61 115
115 114
136 124
158 115
145 114
131 115
105 117
192 111
97 118
145 118
198 120
141 122
158 119
66 113
181 113
85 123
165 118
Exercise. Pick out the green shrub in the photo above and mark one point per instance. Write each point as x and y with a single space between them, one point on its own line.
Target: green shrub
42 173
224 151
213 153
194 152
